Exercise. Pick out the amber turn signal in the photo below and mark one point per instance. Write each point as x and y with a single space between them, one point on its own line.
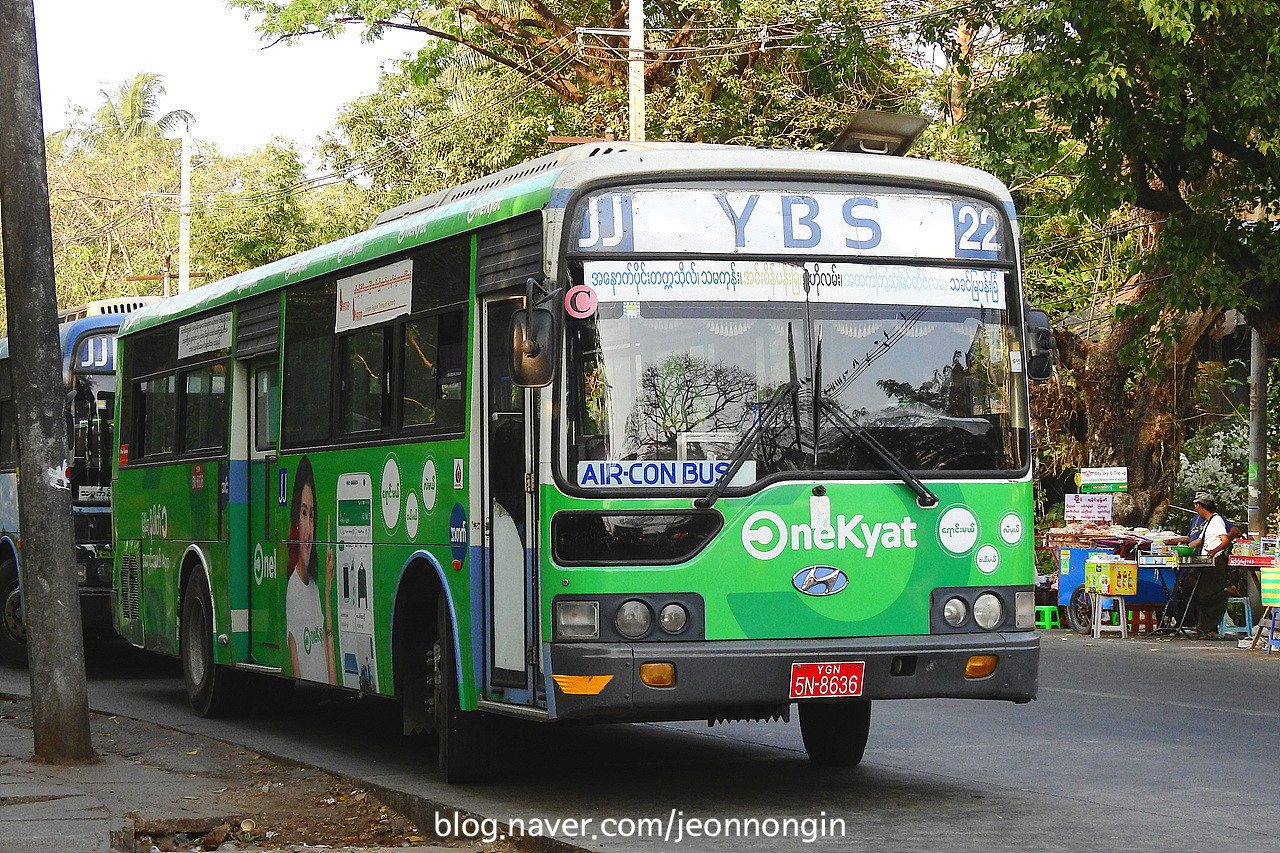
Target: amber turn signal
980 666
658 674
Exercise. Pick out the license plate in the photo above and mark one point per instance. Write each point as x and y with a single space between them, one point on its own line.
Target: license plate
817 680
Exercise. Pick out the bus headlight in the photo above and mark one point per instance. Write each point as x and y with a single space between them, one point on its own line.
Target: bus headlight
673 618
634 619
577 620
988 612
955 611
81 572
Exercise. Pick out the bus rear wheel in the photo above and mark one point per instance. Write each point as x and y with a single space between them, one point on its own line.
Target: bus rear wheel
835 733
465 746
13 631
212 690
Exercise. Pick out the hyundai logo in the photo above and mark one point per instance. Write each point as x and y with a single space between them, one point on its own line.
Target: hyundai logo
820 580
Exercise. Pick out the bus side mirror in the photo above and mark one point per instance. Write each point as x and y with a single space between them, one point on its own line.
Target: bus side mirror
1039 346
533 350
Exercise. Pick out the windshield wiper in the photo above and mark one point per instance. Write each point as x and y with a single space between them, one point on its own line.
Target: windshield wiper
744 444
869 443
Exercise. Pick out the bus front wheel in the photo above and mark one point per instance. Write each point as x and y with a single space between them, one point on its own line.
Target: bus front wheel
465 746
13 631
835 733
212 690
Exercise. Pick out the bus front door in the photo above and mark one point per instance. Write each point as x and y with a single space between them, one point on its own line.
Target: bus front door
509 579
266 564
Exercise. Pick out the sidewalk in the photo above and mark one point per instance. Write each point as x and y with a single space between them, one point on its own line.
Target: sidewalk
158 786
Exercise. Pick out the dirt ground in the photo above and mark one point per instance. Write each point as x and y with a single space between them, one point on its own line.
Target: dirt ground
280 807
188 792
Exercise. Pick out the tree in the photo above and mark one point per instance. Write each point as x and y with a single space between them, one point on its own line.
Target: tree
1176 114
260 222
684 394
1157 118
132 111
493 80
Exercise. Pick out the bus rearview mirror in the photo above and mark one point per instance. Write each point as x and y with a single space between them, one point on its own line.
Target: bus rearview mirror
1039 346
533 350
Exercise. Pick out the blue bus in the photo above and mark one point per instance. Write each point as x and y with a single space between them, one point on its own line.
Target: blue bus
88 338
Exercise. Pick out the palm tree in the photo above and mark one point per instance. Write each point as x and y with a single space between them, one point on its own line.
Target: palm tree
131 112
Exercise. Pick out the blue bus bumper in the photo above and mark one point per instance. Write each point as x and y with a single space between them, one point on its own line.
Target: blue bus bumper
752 678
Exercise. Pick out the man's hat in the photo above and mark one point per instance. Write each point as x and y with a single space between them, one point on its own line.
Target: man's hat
1203 498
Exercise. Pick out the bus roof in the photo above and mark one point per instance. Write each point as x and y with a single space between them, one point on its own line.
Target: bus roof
70 332
548 182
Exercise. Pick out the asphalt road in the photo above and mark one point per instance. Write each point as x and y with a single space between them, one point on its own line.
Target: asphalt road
1133 746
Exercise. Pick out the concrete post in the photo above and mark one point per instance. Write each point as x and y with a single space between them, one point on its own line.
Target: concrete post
51 601
1257 436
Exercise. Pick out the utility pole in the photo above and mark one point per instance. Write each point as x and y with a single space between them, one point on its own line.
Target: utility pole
50 599
635 68
184 218
1257 436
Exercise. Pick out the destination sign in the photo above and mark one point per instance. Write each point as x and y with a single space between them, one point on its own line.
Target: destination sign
97 353
862 221
768 281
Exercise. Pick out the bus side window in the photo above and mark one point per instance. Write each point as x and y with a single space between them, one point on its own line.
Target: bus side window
204 407
266 401
431 383
158 407
360 407
308 368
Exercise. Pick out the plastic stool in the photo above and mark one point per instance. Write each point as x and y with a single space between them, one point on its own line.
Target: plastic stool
1097 627
1248 617
1047 617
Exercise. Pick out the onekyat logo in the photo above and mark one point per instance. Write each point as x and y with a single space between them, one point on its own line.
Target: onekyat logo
820 580
765 535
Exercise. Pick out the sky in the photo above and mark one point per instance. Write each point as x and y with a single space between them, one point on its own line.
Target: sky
213 66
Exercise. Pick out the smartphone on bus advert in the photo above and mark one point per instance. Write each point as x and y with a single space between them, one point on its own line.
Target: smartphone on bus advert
354 567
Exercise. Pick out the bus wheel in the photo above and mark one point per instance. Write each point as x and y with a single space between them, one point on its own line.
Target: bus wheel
465 746
211 689
835 733
1079 611
13 633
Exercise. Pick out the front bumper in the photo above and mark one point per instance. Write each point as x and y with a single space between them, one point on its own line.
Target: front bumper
751 678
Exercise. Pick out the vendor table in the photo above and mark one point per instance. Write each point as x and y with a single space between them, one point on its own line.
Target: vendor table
1179 594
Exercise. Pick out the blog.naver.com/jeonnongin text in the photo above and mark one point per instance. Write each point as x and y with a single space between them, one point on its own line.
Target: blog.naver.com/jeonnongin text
672 828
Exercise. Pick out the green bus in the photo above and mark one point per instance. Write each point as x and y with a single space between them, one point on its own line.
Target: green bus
629 432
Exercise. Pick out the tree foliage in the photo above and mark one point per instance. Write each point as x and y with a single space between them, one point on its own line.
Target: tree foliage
495 79
1175 112
113 186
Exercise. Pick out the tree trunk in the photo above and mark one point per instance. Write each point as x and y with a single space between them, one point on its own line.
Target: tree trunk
50 598
1135 420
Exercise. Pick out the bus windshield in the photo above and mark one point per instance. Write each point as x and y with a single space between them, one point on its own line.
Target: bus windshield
685 381
92 416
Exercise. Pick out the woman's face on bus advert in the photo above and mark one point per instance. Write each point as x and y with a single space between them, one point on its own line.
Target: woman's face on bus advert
306 527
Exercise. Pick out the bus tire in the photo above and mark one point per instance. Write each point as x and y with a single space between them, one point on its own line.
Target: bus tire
465 746
835 733
1079 611
212 690
13 633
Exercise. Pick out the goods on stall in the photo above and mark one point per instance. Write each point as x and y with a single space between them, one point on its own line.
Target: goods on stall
1113 537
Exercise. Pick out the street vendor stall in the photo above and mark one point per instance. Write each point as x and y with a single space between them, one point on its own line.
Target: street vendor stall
1153 583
